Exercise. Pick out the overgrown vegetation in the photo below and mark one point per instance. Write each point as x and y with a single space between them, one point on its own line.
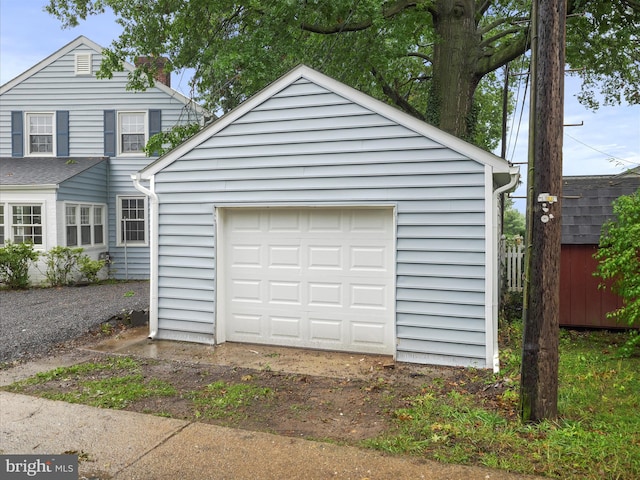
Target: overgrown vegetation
63 265
596 437
15 260
619 262
60 263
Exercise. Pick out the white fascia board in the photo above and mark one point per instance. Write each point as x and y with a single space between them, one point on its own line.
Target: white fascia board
302 71
44 188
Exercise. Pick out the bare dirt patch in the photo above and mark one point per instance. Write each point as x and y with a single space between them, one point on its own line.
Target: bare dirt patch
354 401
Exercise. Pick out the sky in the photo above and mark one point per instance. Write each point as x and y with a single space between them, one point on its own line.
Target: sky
608 142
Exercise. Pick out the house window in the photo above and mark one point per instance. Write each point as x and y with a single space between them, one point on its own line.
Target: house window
132 224
132 132
1 224
84 225
40 137
98 226
72 225
26 224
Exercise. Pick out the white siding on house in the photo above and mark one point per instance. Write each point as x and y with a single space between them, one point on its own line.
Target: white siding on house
309 146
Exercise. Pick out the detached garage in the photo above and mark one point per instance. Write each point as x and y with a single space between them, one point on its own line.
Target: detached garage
315 216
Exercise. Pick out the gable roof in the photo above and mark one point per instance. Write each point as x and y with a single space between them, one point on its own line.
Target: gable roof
500 165
42 171
587 203
69 47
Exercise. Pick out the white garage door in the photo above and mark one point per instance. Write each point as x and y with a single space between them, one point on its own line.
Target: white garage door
313 277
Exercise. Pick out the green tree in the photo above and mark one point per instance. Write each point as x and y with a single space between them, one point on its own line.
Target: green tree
619 257
435 59
513 221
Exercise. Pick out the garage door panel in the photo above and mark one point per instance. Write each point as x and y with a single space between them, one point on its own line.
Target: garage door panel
246 256
248 325
326 294
325 257
285 327
365 333
369 297
369 221
284 256
369 258
284 221
326 330
288 293
246 290
315 277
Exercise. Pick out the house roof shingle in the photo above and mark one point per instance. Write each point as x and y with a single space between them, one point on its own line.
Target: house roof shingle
31 171
587 204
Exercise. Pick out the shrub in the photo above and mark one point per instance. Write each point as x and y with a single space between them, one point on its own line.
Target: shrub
14 263
89 268
60 263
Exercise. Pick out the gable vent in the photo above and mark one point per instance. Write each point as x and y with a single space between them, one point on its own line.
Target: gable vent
83 64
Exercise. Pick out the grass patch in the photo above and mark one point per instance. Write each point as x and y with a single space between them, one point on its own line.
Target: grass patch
224 400
596 437
115 392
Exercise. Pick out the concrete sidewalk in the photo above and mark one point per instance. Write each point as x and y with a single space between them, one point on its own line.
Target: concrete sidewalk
126 446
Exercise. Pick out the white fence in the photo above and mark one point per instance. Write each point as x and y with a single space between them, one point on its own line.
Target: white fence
512 260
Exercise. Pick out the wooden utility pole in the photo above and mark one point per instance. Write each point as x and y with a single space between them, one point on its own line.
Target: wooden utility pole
539 379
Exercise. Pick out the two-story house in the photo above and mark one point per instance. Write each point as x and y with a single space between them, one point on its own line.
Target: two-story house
69 143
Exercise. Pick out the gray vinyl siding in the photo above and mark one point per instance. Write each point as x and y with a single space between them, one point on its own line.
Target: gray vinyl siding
88 186
57 87
307 146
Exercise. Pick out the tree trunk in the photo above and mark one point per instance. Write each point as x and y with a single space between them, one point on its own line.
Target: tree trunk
455 58
539 380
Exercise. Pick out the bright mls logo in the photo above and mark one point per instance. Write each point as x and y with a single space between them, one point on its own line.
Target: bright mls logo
50 467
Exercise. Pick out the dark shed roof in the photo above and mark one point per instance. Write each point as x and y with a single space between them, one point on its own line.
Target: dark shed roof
43 171
587 204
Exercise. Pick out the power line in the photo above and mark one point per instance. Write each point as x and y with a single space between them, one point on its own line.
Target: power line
600 151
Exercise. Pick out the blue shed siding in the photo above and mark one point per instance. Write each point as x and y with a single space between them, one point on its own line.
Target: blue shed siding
309 146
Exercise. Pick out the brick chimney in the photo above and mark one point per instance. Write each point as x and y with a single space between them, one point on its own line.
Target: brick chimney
157 63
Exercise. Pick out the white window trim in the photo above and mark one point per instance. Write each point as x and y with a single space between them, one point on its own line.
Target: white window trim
27 135
92 224
119 132
3 225
8 216
119 219
83 65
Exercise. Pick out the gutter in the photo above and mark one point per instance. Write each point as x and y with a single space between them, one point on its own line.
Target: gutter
153 251
514 174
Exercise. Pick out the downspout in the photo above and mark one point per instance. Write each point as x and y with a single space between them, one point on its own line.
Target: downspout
514 173
153 250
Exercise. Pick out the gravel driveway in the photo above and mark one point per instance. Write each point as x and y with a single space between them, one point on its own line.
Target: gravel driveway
33 321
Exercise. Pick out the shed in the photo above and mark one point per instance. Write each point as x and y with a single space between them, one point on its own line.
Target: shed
587 205
315 216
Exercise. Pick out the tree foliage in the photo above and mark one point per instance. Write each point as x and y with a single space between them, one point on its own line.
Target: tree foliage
435 59
619 257
513 220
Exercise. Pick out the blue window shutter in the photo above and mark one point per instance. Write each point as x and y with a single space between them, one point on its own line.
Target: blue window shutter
17 135
109 133
62 133
155 124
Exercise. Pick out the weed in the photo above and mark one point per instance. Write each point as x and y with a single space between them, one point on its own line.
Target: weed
596 437
223 400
